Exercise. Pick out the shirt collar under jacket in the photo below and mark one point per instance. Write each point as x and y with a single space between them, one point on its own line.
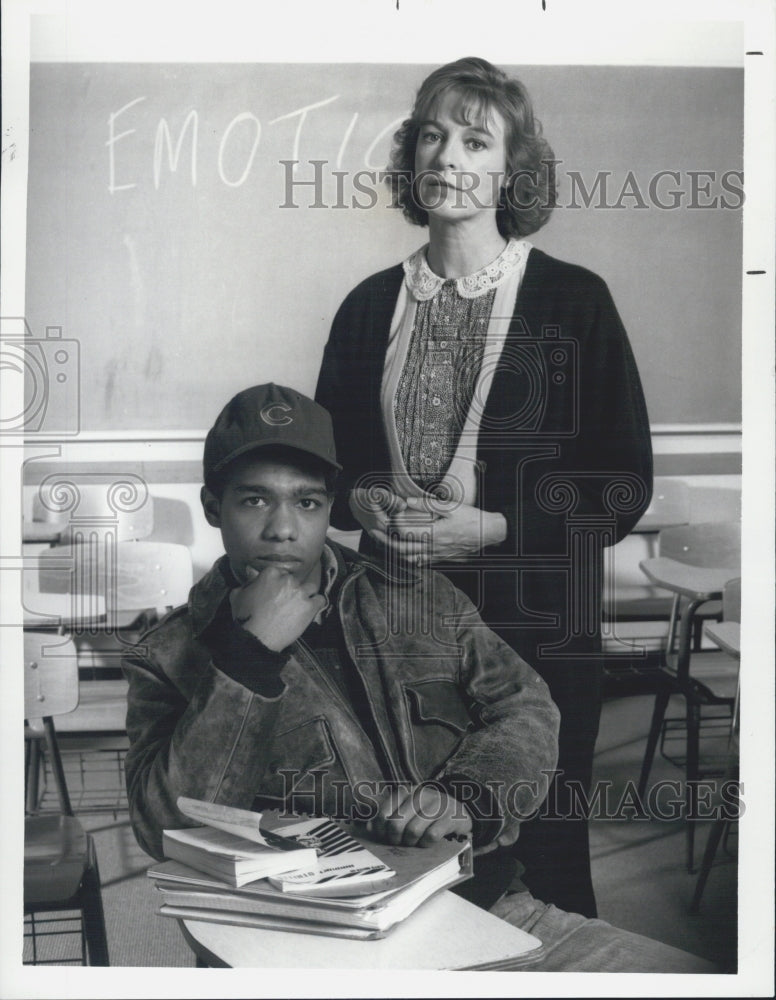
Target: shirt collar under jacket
205 597
424 284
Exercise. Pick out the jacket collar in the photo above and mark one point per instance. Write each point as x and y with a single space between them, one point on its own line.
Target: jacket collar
206 595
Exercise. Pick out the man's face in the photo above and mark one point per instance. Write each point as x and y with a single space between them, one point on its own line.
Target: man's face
272 512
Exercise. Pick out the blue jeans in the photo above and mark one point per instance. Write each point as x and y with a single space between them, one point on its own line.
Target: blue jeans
573 943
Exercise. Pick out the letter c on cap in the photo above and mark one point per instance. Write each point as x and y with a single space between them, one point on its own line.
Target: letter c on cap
273 419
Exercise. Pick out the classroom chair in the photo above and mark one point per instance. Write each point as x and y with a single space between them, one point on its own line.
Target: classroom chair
145 580
727 635
138 580
632 609
694 564
83 514
80 503
60 862
668 508
628 597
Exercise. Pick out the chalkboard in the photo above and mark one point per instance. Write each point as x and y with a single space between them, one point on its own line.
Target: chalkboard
171 235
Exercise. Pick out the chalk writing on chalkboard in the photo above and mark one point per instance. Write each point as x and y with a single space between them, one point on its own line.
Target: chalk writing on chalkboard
188 223
176 146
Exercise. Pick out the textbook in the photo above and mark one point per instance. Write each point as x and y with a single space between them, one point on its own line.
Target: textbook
343 862
420 873
234 845
266 923
236 860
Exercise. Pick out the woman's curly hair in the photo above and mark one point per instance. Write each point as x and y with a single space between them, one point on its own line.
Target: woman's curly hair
528 197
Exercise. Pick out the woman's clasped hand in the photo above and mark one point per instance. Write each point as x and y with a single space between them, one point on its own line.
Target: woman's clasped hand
425 529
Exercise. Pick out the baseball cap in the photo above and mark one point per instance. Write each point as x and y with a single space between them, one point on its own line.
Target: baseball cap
267 415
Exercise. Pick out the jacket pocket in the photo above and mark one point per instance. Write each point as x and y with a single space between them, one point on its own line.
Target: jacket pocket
299 760
438 718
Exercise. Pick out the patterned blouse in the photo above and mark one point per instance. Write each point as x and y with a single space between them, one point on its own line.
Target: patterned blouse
443 340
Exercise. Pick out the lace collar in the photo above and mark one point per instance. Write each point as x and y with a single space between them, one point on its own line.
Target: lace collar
424 284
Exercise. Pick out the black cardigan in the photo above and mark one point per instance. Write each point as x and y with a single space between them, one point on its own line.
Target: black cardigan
564 440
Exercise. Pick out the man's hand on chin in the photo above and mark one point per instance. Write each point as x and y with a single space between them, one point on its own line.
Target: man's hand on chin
274 606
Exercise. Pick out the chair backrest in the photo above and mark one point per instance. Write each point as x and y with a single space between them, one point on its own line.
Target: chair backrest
712 545
50 675
731 600
670 504
154 575
715 503
131 576
77 507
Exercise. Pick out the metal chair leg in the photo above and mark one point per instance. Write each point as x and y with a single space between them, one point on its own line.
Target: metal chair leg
56 766
693 717
658 714
32 773
92 911
715 835
34 939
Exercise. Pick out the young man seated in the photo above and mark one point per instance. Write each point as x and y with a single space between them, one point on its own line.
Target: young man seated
302 676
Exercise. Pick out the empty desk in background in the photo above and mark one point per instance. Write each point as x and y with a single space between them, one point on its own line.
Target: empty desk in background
627 595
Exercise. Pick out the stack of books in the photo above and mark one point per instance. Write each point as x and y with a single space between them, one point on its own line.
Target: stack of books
313 876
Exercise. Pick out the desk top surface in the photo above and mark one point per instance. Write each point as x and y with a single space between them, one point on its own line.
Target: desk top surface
689 581
727 636
472 937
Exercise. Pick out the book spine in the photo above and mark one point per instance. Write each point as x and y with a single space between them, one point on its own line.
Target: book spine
268 923
267 908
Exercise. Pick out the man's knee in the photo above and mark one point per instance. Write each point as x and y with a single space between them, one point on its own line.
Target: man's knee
573 943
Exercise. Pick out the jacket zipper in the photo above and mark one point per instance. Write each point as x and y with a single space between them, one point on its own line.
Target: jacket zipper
311 658
333 689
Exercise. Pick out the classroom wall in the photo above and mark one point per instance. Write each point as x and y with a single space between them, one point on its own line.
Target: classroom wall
158 240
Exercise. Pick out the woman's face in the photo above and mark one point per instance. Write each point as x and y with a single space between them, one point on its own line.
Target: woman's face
459 166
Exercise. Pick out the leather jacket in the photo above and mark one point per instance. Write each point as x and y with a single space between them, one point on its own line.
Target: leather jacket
447 696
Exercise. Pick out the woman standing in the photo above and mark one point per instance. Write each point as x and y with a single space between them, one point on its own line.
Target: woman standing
490 419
